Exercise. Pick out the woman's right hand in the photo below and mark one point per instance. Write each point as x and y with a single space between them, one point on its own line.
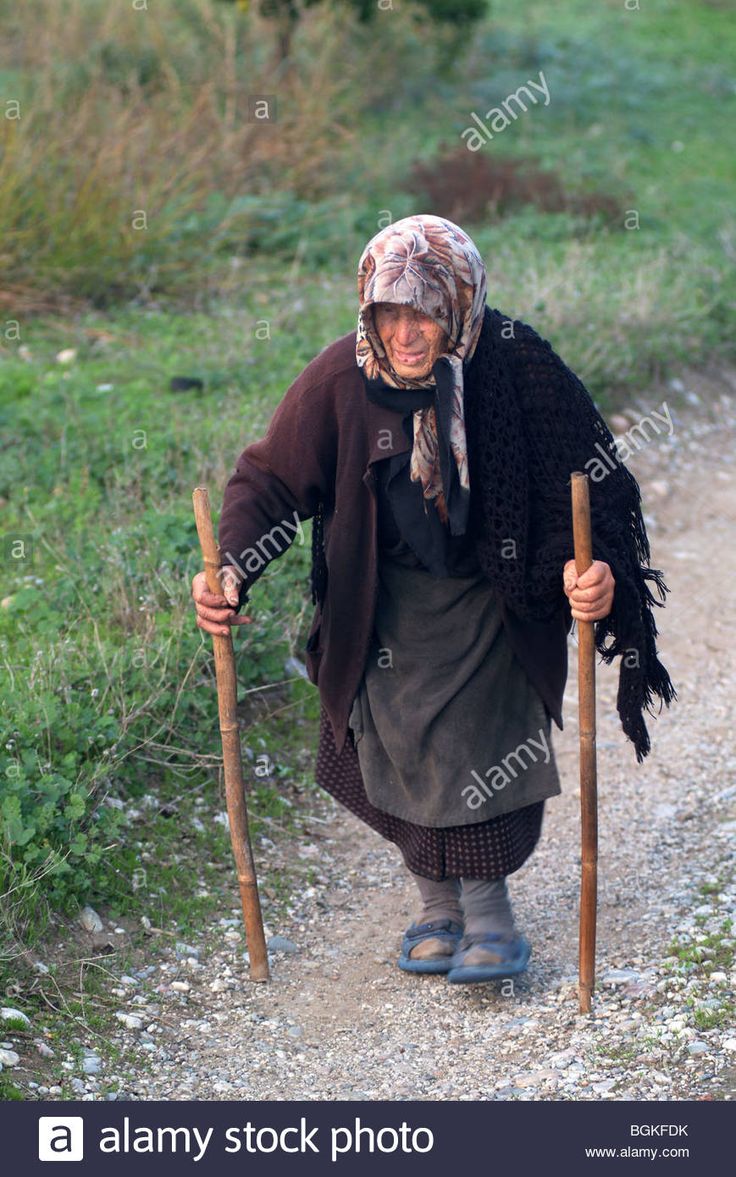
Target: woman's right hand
216 612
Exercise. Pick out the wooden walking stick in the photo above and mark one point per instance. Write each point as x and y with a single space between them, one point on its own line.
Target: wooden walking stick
588 772
237 810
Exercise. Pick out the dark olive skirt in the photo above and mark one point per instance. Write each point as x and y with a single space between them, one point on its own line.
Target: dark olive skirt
484 850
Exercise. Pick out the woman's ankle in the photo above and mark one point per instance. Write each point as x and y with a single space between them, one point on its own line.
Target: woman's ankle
487 907
440 900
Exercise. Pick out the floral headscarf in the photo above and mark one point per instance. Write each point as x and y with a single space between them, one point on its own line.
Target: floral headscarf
428 263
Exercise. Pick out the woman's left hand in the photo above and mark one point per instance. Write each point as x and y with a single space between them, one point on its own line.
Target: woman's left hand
590 595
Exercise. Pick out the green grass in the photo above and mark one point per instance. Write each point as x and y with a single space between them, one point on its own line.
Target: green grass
110 684
172 871
8 1090
715 1019
711 952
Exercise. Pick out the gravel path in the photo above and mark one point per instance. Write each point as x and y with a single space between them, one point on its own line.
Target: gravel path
340 1021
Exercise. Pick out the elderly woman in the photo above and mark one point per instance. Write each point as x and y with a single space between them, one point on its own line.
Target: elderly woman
433 449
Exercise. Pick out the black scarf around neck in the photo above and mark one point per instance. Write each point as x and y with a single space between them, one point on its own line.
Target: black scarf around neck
404 400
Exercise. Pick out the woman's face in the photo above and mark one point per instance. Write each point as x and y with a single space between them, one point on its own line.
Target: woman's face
412 340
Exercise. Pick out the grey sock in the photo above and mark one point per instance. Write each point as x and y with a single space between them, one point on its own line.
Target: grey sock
487 907
440 900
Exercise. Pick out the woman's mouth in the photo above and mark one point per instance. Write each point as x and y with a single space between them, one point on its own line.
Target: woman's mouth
409 357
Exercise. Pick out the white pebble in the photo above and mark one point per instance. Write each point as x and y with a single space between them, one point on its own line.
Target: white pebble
90 920
7 1012
130 1021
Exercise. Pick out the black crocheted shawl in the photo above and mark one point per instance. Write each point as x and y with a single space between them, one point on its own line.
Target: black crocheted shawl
530 423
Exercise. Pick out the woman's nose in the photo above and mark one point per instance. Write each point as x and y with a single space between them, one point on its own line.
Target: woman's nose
406 330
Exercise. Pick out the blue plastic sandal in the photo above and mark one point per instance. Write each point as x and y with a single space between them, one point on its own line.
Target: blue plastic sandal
447 931
511 957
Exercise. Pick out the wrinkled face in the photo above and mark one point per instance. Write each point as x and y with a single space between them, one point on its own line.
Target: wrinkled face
412 340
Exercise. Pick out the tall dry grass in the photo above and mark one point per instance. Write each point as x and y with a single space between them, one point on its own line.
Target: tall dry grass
135 154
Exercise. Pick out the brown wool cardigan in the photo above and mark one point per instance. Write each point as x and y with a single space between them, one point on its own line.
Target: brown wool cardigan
320 445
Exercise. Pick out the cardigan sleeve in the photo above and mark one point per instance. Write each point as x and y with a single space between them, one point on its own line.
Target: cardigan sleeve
280 479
